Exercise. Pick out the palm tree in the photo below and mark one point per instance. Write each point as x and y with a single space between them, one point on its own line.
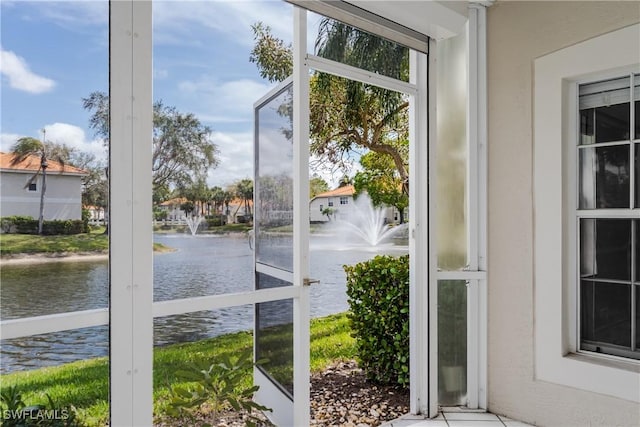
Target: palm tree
27 147
244 190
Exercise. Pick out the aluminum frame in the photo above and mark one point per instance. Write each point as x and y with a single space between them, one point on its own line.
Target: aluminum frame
131 309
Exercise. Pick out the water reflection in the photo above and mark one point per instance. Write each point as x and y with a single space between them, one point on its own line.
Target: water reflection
201 265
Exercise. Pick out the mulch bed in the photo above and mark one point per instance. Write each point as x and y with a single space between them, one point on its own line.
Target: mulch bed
340 396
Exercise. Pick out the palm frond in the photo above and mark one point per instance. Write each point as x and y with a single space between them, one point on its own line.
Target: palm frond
25 147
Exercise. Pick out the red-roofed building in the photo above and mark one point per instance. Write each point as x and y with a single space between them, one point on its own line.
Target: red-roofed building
340 202
20 196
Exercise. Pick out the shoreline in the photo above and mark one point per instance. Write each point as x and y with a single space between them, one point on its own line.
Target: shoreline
43 258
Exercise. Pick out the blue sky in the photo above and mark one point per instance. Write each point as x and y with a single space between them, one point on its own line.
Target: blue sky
56 53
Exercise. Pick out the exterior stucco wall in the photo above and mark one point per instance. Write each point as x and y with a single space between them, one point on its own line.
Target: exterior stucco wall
62 198
518 33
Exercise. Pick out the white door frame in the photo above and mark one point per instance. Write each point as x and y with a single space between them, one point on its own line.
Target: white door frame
423 341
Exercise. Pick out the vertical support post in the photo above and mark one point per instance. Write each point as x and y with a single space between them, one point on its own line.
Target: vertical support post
301 310
130 233
477 202
421 328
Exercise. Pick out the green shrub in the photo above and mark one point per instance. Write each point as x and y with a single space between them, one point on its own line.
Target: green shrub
28 225
216 220
66 227
378 296
86 216
19 224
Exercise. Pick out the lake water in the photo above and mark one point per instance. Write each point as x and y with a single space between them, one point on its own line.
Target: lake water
201 265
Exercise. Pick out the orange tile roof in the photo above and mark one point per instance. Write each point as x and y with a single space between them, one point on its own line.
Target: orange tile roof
239 201
174 201
32 164
347 190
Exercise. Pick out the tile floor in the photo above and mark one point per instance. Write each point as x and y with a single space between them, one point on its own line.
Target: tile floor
457 417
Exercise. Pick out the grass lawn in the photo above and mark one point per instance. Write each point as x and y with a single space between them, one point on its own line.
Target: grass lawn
13 244
84 384
96 241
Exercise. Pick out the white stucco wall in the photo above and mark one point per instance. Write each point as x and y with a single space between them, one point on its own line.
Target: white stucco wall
62 198
518 33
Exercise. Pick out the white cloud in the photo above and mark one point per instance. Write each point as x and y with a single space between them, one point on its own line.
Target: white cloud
236 158
231 18
72 14
7 140
16 70
60 133
73 136
228 102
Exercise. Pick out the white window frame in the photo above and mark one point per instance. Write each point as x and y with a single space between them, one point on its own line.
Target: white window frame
555 292
574 214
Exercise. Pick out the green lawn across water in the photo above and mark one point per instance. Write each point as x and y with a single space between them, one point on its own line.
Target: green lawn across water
30 244
85 384
17 244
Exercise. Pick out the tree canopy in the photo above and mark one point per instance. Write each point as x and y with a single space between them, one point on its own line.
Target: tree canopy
347 116
182 149
381 182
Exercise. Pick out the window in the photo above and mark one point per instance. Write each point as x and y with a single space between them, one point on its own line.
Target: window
344 200
321 208
33 186
559 352
608 228
330 203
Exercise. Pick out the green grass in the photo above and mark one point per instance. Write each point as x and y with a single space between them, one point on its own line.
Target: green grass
85 384
30 244
13 244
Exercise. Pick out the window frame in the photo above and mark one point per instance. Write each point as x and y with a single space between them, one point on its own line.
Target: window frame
556 79
577 214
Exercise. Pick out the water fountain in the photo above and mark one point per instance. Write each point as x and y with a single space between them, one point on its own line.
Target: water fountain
367 223
193 222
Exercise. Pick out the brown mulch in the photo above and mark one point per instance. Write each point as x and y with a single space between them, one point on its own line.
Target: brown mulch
340 396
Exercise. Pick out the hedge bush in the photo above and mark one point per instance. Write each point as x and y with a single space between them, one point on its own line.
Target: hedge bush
378 296
18 224
29 225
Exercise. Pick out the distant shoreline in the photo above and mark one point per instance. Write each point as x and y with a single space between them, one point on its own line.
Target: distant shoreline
41 258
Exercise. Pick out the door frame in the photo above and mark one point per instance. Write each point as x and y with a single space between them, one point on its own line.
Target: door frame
287 412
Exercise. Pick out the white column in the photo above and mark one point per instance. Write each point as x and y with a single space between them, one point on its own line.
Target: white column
130 233
421 336
477 202
301 310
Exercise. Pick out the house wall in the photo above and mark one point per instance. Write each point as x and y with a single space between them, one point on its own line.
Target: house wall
518 33
62 198
315 214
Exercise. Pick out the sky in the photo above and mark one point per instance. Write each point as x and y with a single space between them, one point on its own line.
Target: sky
53 54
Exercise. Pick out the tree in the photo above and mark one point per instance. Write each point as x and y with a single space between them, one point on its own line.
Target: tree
329 212
197 192
244 191
182 150
345 115
317 185
27 147
95 187
381 181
